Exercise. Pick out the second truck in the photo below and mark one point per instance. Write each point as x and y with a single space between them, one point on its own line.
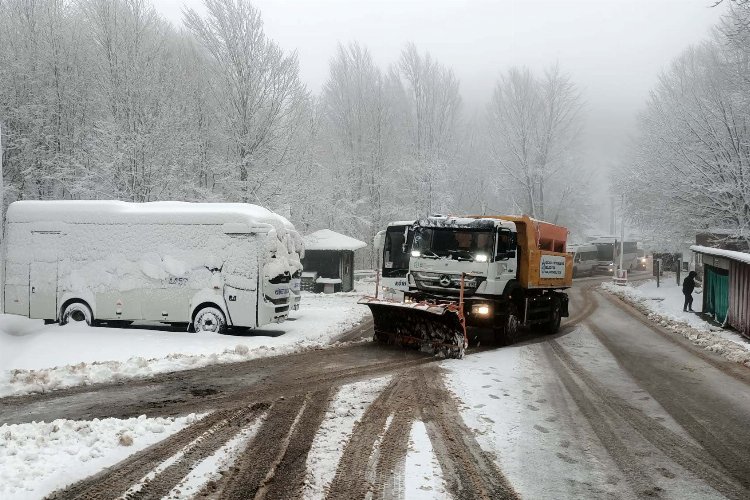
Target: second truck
498 272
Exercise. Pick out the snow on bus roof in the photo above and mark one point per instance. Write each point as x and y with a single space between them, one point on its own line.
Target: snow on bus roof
401 223
176 212
720 252
325 239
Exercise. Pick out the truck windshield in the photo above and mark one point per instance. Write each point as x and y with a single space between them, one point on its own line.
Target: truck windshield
396 251
459 244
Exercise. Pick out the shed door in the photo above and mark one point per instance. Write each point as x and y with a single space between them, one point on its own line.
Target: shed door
346 271
716 289
43 276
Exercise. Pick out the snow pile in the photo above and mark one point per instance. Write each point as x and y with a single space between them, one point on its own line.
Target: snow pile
39 358
663 306
38 458
345 410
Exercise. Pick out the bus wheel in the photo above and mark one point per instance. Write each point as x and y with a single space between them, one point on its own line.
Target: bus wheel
77 313
209 320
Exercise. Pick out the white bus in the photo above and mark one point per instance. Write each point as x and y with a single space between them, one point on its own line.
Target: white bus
585 259
394 246
609 253
205 265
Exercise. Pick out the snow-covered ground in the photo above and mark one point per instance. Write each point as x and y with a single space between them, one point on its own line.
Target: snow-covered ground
663 305
345 410
37 358
38 458
491 386
423 478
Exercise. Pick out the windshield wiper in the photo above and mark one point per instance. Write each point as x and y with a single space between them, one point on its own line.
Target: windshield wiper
432 256
455 253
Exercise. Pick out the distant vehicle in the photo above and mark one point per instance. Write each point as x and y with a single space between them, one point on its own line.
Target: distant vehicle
585 259
206 265
641 261
393 244
608 248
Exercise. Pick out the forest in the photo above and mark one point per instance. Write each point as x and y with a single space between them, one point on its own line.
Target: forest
105 99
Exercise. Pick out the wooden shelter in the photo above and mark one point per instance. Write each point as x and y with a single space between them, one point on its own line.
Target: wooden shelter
726 286
329 261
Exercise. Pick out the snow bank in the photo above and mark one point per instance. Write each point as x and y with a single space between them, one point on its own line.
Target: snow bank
663 305
38 458
39 358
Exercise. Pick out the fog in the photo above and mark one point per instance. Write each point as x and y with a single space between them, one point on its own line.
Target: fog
613 49
340 140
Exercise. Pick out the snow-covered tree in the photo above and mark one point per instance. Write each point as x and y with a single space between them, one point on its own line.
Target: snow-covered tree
257 92
690 163
533 126
433 102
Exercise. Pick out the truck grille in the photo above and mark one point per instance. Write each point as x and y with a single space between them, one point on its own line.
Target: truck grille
446 282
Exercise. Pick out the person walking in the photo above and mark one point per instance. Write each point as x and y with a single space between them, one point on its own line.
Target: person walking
688 285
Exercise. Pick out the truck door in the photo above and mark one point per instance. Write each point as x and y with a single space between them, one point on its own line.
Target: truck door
43 276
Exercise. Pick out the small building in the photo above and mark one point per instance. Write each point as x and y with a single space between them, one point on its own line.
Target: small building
329 262
726 286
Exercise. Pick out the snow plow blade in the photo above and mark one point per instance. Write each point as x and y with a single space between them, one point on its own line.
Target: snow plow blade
434 328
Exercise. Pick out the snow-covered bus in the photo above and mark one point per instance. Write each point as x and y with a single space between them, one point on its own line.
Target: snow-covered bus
394 245
207 265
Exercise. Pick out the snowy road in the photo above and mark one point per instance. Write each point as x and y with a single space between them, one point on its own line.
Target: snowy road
611 407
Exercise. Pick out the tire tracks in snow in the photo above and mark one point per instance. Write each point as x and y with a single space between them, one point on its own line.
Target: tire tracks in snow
273 465
115 481
469 471
610 416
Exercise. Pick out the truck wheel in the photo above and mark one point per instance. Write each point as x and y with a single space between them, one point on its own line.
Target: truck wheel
209 320
553 326
77 313
509 328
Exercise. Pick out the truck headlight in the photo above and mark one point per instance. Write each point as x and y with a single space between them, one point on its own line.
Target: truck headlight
480 258
415 253
480 309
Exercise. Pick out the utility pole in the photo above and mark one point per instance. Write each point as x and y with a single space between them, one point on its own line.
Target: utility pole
622 228
2 184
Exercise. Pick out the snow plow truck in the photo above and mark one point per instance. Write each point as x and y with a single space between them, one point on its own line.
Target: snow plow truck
498 272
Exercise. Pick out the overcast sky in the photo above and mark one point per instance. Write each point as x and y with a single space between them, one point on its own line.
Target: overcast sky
613 49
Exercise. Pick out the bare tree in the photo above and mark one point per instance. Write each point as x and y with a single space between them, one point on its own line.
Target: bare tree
533 128
434 103
690 163
361 119
257 89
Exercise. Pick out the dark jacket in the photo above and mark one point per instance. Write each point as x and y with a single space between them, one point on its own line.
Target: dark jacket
688 284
